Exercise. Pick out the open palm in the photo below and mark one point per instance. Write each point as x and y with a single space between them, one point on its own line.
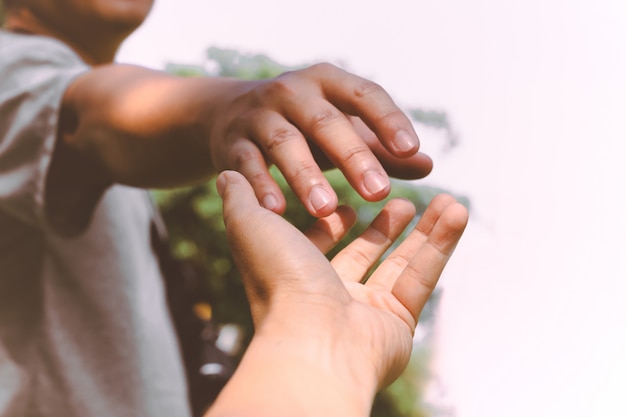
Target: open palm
323 307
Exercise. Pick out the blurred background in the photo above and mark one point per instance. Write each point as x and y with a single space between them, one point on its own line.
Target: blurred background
522 106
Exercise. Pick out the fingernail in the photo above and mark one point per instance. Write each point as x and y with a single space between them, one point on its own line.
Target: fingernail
375 182
221 184
270 202
406 142
319 197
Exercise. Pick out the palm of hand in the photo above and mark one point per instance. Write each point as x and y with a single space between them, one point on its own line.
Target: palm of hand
299 297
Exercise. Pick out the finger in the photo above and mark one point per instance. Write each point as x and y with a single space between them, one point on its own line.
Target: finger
249 229
275 259
418 280
436 208
246 158
356 259
363 98
237 196
286 147
328 231
412 167
387 273
330 130
241 217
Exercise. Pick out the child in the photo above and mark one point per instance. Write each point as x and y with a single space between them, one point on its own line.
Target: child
84 327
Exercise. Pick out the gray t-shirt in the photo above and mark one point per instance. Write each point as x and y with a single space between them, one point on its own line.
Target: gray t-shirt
84 327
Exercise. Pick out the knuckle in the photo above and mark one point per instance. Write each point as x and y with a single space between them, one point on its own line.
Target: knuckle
325 118
242 158
354 153
324 67
359 257
398 262
257 179
367 88
304 172
420 278
279 87
280 136
392 116
379 235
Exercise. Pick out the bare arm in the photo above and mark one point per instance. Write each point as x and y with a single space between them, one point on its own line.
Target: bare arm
149 129
143 128
324 342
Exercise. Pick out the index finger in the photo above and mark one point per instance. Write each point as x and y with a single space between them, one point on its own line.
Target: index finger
366 99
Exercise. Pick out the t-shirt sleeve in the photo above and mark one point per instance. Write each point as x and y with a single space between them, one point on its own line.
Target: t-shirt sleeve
34 74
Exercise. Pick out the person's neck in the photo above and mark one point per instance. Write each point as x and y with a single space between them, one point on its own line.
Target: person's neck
93 49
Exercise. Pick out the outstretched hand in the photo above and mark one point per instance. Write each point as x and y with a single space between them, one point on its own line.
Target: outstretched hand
319 312
308 120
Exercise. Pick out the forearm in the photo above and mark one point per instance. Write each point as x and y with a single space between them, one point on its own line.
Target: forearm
146 128
275 381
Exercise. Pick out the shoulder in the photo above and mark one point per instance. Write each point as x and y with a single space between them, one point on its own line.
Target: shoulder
34 73
33 49
29 63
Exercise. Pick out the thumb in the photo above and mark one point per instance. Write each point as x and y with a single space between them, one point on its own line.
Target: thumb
237 195
245 218
250 227
273 256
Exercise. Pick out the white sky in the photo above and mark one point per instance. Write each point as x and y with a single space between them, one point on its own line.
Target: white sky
533 320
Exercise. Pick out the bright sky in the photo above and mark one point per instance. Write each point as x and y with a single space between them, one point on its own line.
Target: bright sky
533 320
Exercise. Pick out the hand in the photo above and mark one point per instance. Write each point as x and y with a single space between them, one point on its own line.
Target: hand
315 316
308 120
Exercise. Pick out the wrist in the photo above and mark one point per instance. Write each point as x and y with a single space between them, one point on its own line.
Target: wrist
282 377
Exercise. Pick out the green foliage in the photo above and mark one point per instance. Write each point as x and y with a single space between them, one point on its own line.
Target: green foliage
197 235
435 119
186 70
231 63
403 397
194 219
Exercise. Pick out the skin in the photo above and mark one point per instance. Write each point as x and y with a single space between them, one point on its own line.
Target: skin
329 341
324 341
130 125
94 28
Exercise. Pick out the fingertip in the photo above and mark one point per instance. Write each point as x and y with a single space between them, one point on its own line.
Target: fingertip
443 200
328 231
221 183
456 216
405 143
227 180
404 205
322 202
347 214
376 184
422 165
426 163
449 228
409 168
270 202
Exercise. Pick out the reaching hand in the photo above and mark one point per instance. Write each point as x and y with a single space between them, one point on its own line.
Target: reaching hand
319 312
312 119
